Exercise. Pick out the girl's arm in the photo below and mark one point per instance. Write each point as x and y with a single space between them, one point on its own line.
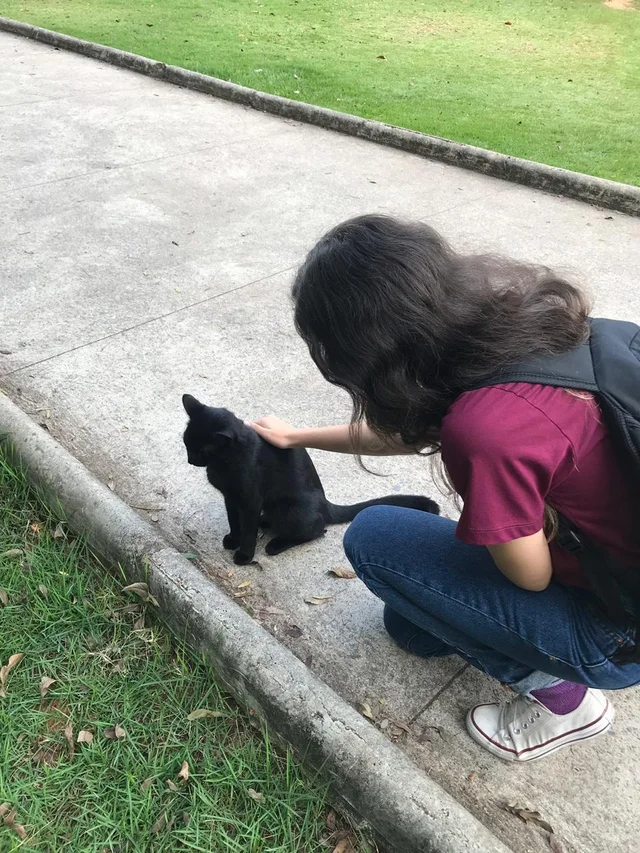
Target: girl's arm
525 561
337 439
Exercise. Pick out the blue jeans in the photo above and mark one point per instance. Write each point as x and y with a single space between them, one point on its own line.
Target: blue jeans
443 597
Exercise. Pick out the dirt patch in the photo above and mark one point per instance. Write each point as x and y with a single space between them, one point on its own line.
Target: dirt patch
629 5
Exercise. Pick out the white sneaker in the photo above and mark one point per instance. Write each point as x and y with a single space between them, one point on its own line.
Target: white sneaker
523 729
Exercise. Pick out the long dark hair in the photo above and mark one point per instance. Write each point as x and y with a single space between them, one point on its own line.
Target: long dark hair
391 313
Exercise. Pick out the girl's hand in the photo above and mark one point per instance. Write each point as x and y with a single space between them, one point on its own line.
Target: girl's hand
275 431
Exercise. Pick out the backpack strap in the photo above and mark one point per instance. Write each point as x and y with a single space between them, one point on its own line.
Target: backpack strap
573 369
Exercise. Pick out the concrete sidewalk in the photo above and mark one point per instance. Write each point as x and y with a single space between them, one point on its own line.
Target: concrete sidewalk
148 240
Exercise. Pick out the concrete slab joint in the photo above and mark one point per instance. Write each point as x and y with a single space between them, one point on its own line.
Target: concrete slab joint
609 194
409 811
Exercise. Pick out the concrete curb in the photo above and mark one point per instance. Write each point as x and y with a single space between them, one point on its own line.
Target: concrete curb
409 811
610 194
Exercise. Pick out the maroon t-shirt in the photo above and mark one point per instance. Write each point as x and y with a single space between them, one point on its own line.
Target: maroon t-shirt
511 448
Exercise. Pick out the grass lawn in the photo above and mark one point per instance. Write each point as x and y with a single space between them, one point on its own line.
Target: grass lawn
122 681
556 82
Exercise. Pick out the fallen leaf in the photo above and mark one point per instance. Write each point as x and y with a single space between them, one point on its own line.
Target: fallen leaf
403 726
365 710
384 725
293 631
141 589
554 844
111 484
43 590
138 625
259 798
114 733
201 713
12 553
84 737
4 598
68 733
184 772
472 776
148 782
308 660
159 825
14 660
331 821
528 815
35 528
244 585
342 572
344 846
171 785
9 820
45 684
318 599
59 533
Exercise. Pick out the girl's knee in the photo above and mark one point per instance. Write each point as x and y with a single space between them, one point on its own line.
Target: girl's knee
364 531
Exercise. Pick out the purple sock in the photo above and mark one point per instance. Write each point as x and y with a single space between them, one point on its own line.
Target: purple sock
561 698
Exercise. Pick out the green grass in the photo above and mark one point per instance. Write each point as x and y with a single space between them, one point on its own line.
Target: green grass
556 82
114 665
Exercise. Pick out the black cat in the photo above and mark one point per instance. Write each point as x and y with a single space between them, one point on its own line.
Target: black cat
265 486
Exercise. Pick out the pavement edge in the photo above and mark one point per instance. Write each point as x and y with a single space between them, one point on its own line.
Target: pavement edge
373 778
610 194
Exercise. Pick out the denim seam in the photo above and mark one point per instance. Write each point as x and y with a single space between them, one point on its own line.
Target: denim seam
590 666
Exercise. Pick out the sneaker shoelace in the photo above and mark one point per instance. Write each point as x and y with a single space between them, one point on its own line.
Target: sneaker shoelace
518 713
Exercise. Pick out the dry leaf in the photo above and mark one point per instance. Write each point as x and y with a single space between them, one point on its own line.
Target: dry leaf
472 776
244 585
12 553
528 815
85 737
365 710
114 733
201 713
331 821
4 808
138 625
58 533
293 631
142 590
43 590
147 783
9 820
344 846
259 798
45 684
554 844
159 825
171 785
342 572
4 598
184 772
14 660
318 599
68 733
403 726
111 484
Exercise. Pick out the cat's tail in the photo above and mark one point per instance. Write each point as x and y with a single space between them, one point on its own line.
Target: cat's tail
340 514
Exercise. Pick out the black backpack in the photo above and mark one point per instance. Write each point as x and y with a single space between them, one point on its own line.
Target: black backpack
607 365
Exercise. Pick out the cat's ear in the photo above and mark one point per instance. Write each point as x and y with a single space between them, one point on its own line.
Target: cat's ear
191 405
227 432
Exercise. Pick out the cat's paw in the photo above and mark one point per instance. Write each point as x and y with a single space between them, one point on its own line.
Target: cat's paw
230 542
241 559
